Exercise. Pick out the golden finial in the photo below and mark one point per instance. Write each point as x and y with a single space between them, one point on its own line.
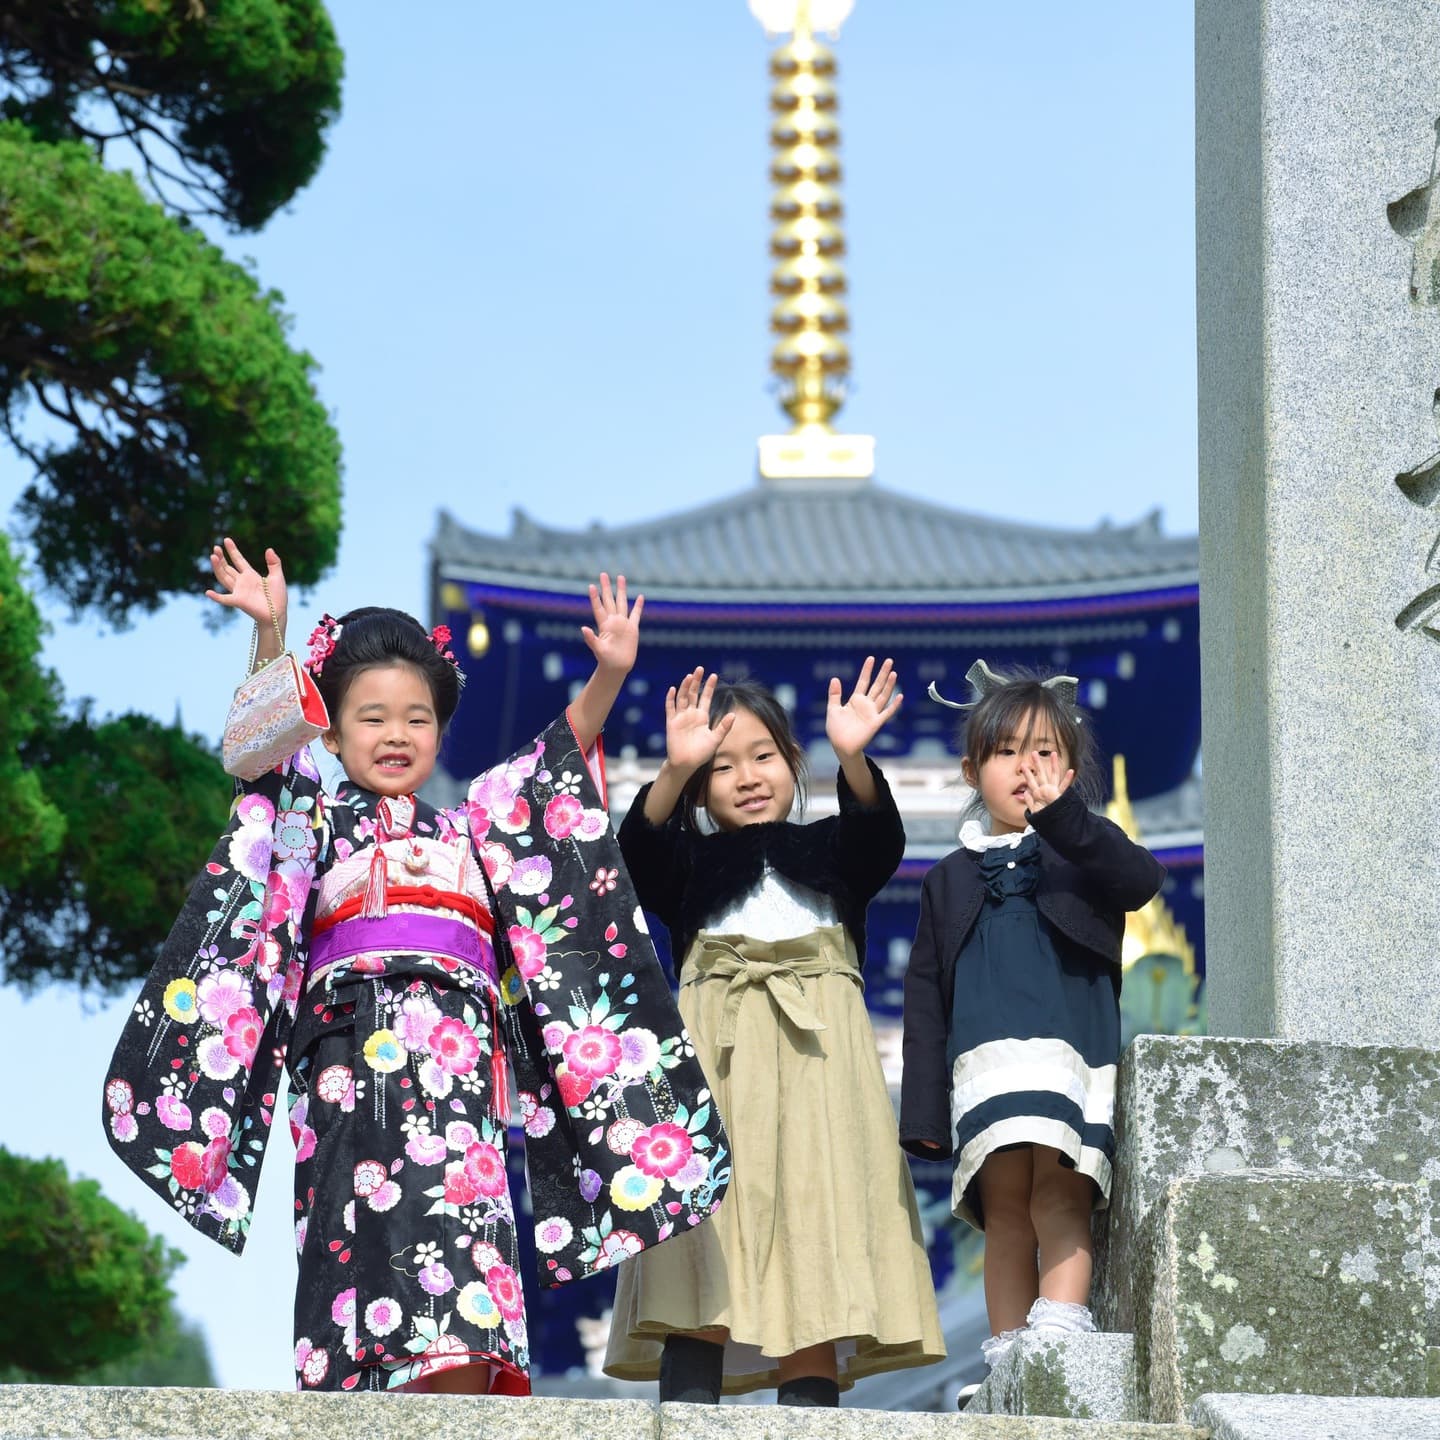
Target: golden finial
1152 930
811 360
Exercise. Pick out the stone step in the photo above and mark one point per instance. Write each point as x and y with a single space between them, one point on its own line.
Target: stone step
1189 1106
1316 1417
1080 1377
59 1412
1258 1283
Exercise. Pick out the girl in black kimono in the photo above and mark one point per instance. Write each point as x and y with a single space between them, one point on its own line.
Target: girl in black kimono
1012 1011
814 1273
400 960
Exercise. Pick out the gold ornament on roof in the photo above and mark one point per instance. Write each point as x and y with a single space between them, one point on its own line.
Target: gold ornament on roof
811 359
1151 930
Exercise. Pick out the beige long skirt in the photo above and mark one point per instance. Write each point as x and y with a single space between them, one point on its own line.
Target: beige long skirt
818 1239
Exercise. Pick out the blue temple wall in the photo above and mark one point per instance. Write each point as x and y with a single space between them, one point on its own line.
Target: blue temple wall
1137 657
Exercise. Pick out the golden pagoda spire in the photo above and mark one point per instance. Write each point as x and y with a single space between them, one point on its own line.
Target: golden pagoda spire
811 360
1151 930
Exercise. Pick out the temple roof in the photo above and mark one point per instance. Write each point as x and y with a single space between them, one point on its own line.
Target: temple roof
797 543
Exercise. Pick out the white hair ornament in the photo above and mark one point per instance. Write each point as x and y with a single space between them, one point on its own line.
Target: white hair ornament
984 681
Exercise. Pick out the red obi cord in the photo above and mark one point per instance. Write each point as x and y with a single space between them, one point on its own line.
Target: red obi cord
424 895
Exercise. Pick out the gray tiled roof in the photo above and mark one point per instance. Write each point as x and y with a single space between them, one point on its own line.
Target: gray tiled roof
811 543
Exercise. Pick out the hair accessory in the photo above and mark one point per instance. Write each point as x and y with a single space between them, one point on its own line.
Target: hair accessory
440 638
985 682
323 640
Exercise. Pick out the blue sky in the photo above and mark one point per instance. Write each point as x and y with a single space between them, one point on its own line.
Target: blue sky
533 269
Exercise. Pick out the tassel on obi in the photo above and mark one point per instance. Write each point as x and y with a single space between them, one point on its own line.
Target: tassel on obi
499 1075
376 903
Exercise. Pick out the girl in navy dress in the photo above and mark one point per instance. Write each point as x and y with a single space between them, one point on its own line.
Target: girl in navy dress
1012 1000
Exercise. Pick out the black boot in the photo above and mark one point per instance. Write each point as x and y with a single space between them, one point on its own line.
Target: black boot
691 1370
809 1390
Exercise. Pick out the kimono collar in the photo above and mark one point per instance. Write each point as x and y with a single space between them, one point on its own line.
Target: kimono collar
395 815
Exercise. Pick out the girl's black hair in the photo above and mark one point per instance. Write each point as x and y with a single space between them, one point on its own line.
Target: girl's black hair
374 637
761 703
1020 709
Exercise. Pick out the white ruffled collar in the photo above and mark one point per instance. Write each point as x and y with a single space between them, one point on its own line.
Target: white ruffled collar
974 836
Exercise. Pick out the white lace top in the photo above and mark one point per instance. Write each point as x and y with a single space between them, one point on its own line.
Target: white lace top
777 909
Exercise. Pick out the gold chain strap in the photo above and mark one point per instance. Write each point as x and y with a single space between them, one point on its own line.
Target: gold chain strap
274 620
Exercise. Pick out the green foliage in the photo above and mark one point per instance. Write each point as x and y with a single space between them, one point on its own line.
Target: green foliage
182 411
31 827
143 804
177 1355
82 1283
224 103
189 408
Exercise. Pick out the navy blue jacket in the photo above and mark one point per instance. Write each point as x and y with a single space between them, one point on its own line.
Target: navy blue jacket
1091 873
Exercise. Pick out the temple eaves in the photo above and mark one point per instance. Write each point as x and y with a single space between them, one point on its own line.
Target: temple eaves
828 545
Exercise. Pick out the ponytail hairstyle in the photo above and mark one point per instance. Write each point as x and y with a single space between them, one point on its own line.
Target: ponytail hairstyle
1019 708
748 695
372 638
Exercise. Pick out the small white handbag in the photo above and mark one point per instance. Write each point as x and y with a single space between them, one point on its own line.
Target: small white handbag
276 710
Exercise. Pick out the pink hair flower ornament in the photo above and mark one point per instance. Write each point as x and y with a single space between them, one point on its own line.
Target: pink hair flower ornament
440 638
323 640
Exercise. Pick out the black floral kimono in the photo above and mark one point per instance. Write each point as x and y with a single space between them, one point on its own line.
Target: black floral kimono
397 960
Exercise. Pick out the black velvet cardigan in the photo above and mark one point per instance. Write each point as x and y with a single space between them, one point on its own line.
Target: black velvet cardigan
685 878
1091 873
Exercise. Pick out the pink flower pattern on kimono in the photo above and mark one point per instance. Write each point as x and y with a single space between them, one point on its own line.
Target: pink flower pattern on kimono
425 1149
174 1113
562 815
499 863
222 995
485 1167
661 1150
593 1052
418 1016
454 1045
532 875
528 948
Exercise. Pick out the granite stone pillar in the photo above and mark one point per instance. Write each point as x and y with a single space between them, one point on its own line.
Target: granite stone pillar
1316 135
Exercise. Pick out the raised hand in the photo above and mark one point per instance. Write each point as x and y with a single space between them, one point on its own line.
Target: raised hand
853 724
1044 780
241 588
615 639
689 740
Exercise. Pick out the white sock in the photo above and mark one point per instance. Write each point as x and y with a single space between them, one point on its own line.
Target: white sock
996 1346
1060 1317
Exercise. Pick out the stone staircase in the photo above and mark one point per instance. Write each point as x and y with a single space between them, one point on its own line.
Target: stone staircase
57 1412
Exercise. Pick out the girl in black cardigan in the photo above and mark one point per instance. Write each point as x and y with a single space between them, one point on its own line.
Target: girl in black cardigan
813 1273
1012 1011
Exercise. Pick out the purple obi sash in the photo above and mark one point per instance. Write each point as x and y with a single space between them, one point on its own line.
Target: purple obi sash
403 934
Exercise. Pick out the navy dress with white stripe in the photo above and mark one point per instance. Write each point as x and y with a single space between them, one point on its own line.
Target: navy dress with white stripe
1034 1033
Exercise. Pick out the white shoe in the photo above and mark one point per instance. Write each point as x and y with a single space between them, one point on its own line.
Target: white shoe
1060 1317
